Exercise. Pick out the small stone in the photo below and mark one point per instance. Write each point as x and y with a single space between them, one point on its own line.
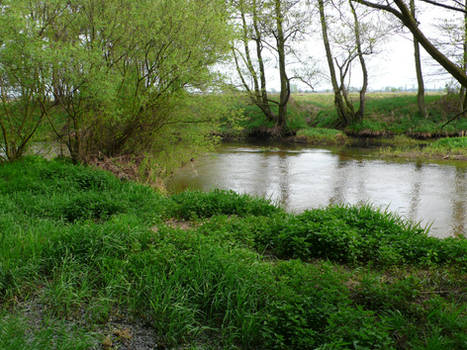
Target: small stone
107 342
124 333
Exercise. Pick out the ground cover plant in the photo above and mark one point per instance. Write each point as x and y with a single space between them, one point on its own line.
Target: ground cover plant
89 261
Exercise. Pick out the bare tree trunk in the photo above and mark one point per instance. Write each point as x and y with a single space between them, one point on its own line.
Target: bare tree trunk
285 84
259 94
259 55
418 69
463 90
361 108
339 102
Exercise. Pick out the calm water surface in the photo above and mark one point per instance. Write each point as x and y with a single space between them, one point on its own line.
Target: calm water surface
304 178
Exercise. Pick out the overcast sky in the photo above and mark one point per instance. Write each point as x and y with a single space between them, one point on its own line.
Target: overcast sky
394 65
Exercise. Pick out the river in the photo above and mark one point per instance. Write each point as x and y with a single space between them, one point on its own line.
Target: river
300 178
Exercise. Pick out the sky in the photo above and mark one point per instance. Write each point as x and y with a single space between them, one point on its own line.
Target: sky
394 65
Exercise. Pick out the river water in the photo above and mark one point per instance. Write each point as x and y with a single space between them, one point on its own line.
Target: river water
299 178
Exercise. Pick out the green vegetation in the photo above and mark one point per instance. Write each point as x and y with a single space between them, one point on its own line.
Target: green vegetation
113 79
450 144
80 248
444 148
321 136
387 114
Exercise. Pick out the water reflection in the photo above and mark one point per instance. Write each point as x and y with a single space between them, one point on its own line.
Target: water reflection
299 179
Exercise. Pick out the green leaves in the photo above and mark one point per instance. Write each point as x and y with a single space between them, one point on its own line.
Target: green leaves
111 77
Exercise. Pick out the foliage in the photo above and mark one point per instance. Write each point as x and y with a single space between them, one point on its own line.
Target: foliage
202 205
114 78
352 235
445 148
23 97
450 144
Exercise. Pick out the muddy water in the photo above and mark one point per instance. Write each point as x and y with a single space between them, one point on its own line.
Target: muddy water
303 178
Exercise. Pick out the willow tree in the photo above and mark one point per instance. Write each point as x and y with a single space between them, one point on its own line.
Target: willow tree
23 98
122 76
267 27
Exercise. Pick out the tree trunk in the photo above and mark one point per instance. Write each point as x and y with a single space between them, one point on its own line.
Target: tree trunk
341 107
259 55
418 69
463 90
361 107
285 85
259 94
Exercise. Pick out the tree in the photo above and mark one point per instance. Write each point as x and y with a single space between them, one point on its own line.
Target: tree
399 9
418 69
268 25
453 41
354 40
24 101
112 77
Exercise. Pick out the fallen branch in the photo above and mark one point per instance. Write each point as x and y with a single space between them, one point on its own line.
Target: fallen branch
455 117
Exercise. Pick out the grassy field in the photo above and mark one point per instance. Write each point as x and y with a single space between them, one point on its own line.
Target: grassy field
88 261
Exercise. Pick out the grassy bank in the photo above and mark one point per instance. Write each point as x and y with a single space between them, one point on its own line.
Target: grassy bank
387 114
454 148
90 261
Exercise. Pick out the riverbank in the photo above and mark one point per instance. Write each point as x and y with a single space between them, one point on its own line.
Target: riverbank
454 148
91 261
312 119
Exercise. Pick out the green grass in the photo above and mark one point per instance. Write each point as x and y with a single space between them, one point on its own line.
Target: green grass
322 136
386 114
85 248
454 144
445 148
